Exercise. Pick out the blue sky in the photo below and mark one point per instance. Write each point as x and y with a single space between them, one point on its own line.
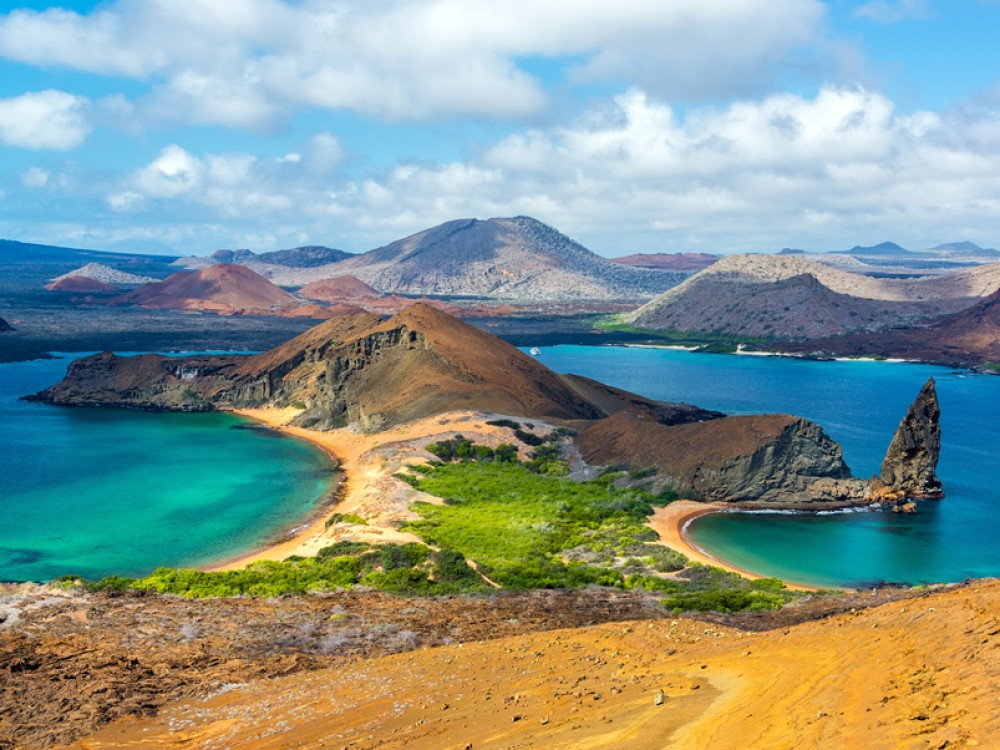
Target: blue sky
633 126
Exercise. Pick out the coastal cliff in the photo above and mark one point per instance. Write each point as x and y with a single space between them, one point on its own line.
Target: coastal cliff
769 459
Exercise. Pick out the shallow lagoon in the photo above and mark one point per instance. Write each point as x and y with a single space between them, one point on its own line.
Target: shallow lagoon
94 492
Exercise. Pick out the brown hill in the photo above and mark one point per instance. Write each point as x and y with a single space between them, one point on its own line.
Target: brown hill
223 287
797 307
355 369
338 289
688 262
512 259
969 338
81 284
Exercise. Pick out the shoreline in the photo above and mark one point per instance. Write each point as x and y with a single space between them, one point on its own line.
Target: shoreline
349 495
671 523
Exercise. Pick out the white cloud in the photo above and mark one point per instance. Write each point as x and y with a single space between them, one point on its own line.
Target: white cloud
34 177
173 173
891 11
249 63
44 120
825 172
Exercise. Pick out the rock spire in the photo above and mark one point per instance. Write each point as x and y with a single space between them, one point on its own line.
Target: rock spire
911 462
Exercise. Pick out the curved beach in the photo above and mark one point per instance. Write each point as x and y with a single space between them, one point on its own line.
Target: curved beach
367 462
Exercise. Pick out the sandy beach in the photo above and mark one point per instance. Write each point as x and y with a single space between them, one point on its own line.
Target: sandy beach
368 461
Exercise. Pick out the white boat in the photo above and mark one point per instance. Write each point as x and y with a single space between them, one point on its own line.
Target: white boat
534 351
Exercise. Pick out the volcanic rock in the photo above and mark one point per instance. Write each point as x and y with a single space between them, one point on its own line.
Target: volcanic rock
690 262
518 259
355 369
765 459
910 464
970 338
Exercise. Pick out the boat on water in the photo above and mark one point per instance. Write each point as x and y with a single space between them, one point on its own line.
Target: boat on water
534 351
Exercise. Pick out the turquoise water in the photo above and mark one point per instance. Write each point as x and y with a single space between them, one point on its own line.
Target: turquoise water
859 404
94 492
100 491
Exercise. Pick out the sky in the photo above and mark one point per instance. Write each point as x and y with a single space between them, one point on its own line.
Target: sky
722 126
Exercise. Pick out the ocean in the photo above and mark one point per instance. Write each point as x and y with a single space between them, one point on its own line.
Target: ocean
859 404
94 492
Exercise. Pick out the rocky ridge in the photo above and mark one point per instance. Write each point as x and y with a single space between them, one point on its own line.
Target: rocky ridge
970 338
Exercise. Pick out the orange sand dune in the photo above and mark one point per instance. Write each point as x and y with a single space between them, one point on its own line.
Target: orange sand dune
922 673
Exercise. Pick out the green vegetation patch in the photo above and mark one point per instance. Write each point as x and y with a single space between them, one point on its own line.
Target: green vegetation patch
702 588
526 528
404 569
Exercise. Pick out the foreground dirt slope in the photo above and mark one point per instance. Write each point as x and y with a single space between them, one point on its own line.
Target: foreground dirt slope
922 673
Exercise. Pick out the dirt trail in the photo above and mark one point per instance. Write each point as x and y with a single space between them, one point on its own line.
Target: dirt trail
920 673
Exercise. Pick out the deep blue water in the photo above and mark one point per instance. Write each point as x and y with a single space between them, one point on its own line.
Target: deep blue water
94 492
859 404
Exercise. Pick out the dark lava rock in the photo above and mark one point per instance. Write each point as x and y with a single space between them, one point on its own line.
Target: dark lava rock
910 464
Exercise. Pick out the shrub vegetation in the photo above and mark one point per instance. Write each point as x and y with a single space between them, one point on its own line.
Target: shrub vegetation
523 524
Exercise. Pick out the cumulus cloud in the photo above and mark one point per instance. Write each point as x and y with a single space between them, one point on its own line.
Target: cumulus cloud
633 174
44 120
247 63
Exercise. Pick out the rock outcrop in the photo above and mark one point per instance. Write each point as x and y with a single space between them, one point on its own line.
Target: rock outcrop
770 459
910 464
5 326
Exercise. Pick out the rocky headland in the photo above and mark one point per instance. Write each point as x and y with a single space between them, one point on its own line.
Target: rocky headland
366 374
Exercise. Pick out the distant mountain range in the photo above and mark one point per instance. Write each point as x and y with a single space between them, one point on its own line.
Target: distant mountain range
795 297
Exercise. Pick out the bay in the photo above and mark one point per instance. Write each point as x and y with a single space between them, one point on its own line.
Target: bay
859 404
95 492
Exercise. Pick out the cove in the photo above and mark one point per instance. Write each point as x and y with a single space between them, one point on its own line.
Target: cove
859 404
98 491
